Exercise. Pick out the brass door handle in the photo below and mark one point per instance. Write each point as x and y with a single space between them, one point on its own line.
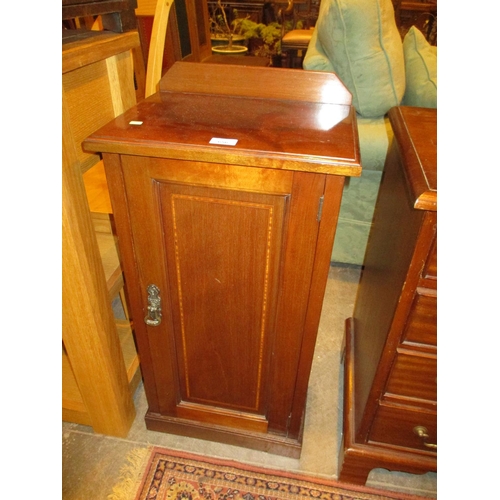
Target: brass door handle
153 317
422 432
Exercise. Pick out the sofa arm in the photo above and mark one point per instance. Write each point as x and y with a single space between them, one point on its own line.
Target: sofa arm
315 58
375 135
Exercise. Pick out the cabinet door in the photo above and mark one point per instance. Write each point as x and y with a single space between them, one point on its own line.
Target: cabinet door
231 250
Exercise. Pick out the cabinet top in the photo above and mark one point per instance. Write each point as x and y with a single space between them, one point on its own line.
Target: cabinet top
415 130
316 135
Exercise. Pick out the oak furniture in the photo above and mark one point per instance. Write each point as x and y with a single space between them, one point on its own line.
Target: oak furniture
96 189
390 403
82 17
99 362
226 195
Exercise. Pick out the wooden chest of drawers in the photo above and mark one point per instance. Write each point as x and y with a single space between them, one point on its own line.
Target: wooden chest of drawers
390 394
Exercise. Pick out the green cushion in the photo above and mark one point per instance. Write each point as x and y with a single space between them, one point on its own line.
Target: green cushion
361 40
421 70
315 58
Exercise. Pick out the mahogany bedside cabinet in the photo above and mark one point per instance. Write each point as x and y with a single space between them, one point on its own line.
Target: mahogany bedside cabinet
390 384
226 193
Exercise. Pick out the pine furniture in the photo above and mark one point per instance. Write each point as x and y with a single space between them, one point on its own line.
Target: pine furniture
226 194
390 389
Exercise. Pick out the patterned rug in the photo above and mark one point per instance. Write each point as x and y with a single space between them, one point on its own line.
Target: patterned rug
160 474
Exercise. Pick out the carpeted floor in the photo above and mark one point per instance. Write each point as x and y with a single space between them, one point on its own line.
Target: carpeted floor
92 463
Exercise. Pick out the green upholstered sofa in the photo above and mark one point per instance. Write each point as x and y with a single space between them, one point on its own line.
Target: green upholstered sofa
359 41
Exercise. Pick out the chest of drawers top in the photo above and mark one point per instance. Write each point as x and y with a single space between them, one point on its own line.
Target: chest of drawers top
416 132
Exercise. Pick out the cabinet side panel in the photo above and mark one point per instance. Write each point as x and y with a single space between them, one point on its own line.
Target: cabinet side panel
389 252
330 211
297 272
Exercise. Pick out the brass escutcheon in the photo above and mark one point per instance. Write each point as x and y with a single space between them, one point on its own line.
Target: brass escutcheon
153 317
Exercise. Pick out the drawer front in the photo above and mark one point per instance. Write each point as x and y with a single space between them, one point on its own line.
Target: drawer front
396 426
430 268
421 326
414 376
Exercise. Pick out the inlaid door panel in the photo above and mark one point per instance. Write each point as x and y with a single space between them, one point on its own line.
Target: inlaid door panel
223 271
214 247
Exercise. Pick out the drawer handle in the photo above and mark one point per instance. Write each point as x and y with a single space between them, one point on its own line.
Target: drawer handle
153 317
421 432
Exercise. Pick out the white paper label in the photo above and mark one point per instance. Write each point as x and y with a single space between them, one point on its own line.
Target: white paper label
223 142
135 122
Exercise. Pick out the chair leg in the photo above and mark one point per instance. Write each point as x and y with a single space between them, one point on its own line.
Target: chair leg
288 59
294 57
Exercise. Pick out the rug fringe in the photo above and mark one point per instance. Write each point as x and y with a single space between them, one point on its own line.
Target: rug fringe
131 474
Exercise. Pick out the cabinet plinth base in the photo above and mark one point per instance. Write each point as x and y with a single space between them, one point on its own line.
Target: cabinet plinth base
267 442
356 460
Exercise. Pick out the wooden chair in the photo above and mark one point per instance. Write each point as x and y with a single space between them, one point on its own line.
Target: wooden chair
294 42
157 46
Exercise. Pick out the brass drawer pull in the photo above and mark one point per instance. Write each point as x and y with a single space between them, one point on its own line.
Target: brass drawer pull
421 432
153 317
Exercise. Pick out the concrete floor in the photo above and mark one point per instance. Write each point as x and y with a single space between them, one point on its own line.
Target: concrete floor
92 462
